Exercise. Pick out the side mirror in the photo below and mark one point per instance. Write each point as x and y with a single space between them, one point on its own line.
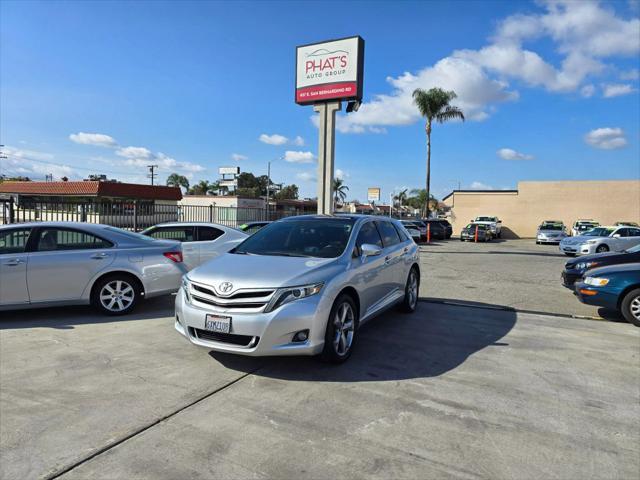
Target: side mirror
617 235
369 250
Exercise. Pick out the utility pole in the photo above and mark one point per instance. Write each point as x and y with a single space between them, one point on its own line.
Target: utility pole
268 187
48 177
152 175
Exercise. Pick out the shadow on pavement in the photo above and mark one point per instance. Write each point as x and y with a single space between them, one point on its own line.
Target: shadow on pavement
497 252
428 343
67 317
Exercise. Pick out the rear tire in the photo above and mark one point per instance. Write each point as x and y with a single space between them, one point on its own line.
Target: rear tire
342 330
116 294
630 307
411 291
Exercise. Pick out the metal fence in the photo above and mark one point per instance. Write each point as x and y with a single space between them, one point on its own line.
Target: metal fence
135 215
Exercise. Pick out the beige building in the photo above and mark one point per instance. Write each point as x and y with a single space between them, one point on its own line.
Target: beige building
522 210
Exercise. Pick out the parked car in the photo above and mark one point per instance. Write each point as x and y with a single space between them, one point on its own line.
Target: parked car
494 224
437 230
300 286
483 230
575 269
550 231
626 224
616 287
413 231
411 225
200 241
600 240
447 227
252 227
581 226
65 263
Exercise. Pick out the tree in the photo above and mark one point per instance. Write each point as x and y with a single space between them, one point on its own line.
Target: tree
401 197
4 178
434 105
177 180
65 179
418 200
339 190
289 192
201 188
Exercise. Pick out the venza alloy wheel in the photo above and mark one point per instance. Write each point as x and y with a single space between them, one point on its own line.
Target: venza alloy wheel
116 295
342 330
631 307
602 249
411 290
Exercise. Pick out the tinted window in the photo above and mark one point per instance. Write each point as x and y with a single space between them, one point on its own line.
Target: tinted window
368 234
634 232
599 232
389 234
180 234
402 233
623 232
14 241
208 233
65 239
324 238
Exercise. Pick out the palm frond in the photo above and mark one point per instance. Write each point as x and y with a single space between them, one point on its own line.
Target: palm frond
449 113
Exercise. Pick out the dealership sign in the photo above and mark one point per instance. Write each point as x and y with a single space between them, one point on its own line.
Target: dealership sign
373 194
331 70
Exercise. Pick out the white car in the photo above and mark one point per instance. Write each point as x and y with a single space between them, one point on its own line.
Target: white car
550 231
494 224
200 241
601 240
582 226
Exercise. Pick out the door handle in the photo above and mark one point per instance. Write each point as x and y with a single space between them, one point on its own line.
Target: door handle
387 259
13 262
405 250
99 256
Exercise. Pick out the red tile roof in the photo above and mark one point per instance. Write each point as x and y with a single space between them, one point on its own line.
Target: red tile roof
93 189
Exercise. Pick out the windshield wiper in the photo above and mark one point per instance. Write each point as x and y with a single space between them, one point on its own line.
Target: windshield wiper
285 254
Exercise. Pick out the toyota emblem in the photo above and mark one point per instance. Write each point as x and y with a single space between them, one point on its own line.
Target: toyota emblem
225 287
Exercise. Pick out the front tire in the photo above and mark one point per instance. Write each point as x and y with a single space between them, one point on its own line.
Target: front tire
630 307
116 294
602 249
342 330
411 290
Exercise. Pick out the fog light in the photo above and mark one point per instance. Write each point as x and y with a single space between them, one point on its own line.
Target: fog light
178 320
301 336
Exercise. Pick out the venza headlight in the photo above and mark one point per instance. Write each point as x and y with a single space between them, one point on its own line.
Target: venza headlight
186 285
596 281
288 295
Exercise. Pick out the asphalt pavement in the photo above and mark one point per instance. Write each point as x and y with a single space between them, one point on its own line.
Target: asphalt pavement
447 392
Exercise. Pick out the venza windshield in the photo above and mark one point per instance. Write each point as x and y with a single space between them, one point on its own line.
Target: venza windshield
323 238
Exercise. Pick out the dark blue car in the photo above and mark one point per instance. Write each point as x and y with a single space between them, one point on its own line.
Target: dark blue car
576 268
616 287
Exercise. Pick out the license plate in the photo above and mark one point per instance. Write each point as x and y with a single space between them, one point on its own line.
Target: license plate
217 323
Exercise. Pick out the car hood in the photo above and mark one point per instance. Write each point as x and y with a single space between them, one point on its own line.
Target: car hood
632 269
551 232
579 239
607 258
264 271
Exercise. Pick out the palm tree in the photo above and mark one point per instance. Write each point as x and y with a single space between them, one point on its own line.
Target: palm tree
401 197
434 105
177 180
201 188
419 200
339 190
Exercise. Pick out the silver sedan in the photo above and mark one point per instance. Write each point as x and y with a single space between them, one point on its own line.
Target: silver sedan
65 263
300 286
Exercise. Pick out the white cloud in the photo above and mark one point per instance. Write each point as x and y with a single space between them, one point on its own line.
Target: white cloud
480 186
510 154
588 90
341 174
97 139
134 152
616 89
298 141
236 157
298 156
274 139
633 74
307 176
36 165
584 34
606 138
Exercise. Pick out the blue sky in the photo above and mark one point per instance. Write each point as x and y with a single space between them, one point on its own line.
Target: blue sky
550 90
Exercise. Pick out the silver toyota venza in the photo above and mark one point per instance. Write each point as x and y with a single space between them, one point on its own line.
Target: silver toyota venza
300 286
66 263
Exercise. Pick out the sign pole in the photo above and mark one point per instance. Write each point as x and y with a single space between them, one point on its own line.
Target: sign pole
326 154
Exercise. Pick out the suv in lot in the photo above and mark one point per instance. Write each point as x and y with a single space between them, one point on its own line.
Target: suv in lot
494 224
300 286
